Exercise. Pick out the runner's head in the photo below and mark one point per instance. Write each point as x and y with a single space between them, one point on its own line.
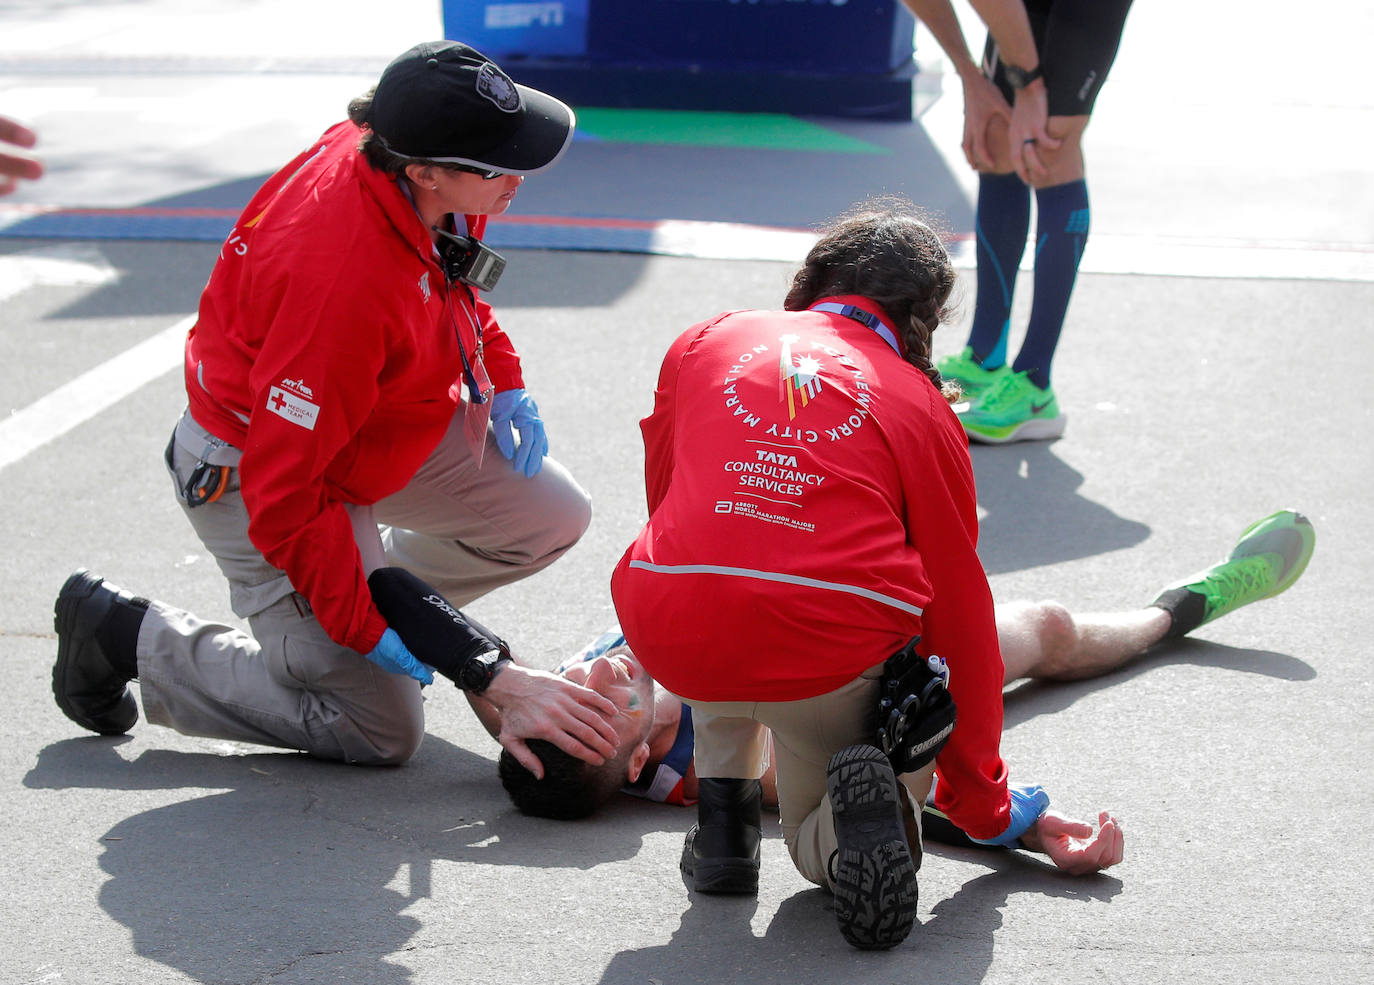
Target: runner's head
572 788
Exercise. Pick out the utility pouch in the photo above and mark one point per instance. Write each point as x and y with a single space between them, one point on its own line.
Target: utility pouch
915 709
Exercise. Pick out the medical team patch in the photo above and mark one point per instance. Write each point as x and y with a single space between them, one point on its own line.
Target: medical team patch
293 406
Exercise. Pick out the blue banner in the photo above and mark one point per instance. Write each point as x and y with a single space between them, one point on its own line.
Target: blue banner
520 28
817 36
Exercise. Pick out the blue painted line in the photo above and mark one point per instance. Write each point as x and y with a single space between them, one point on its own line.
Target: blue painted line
214 229
91 225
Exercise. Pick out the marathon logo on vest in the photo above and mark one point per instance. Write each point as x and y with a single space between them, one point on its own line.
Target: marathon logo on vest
799 381
802 388
292 400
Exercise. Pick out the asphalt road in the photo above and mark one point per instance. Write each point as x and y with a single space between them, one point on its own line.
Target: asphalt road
1210 371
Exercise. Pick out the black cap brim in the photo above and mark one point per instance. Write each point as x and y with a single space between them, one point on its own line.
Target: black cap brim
543 137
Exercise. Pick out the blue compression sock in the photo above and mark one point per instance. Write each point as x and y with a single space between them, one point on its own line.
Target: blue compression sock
1001 225
1061 232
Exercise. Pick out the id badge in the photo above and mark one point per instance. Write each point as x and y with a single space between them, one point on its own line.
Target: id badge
477 409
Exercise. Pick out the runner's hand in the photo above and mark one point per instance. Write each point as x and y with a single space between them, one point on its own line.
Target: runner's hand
1027 135
1074 846
983 103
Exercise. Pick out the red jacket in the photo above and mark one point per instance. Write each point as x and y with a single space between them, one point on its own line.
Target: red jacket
326 349
811 508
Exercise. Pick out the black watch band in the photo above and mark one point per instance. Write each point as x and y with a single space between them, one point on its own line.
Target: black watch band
1019 78
476 675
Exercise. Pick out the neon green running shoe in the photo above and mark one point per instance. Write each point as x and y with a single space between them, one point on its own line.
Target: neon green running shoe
969 373
1013 409
1269 557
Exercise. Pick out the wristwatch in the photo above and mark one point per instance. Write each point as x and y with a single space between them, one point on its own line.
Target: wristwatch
476 675
1019 78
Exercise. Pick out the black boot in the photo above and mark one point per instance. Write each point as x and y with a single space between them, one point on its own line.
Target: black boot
721 854
97 630
872 872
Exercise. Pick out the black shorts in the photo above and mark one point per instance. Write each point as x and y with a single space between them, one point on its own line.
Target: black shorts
1077 41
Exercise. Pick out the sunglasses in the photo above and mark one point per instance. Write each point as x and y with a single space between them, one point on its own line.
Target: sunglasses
483 172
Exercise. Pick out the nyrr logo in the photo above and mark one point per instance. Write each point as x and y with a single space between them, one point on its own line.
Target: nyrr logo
799 381
299 386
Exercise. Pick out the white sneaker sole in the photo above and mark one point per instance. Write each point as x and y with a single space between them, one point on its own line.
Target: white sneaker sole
1034 429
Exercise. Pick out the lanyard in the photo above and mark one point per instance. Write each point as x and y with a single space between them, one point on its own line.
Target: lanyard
474 372
863 318
477 408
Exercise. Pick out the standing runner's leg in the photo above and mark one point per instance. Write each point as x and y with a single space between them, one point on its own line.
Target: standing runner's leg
1000 225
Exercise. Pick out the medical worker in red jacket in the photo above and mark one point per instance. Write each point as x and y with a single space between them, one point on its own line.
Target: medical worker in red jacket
811 509
345 372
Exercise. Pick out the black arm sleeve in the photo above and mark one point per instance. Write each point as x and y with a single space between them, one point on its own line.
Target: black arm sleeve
431 628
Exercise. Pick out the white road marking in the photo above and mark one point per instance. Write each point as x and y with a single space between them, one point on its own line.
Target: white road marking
54 266
79 400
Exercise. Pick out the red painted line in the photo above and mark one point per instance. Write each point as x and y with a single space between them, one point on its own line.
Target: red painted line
582 222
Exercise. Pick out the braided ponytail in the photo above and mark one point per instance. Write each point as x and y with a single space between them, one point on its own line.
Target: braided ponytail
884 250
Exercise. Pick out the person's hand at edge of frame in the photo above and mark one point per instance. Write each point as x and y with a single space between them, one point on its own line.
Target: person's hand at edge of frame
14 167
1027 134
535 704
1074 846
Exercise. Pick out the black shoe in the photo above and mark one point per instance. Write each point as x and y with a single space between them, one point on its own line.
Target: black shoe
88 687
721 853
873 875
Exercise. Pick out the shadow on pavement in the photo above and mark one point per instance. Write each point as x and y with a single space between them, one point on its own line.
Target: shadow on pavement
792 187
1027 700
166 277
715 940
295 858
1034 514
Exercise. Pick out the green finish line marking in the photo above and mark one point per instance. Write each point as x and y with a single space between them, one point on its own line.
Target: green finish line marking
770 131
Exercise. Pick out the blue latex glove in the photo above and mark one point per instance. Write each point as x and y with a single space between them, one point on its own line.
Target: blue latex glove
393 656
515 410
1028 804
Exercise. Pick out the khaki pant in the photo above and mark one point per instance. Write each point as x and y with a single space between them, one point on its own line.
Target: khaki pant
730 737
463 529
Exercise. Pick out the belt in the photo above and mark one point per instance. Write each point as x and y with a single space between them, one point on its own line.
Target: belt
192 438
